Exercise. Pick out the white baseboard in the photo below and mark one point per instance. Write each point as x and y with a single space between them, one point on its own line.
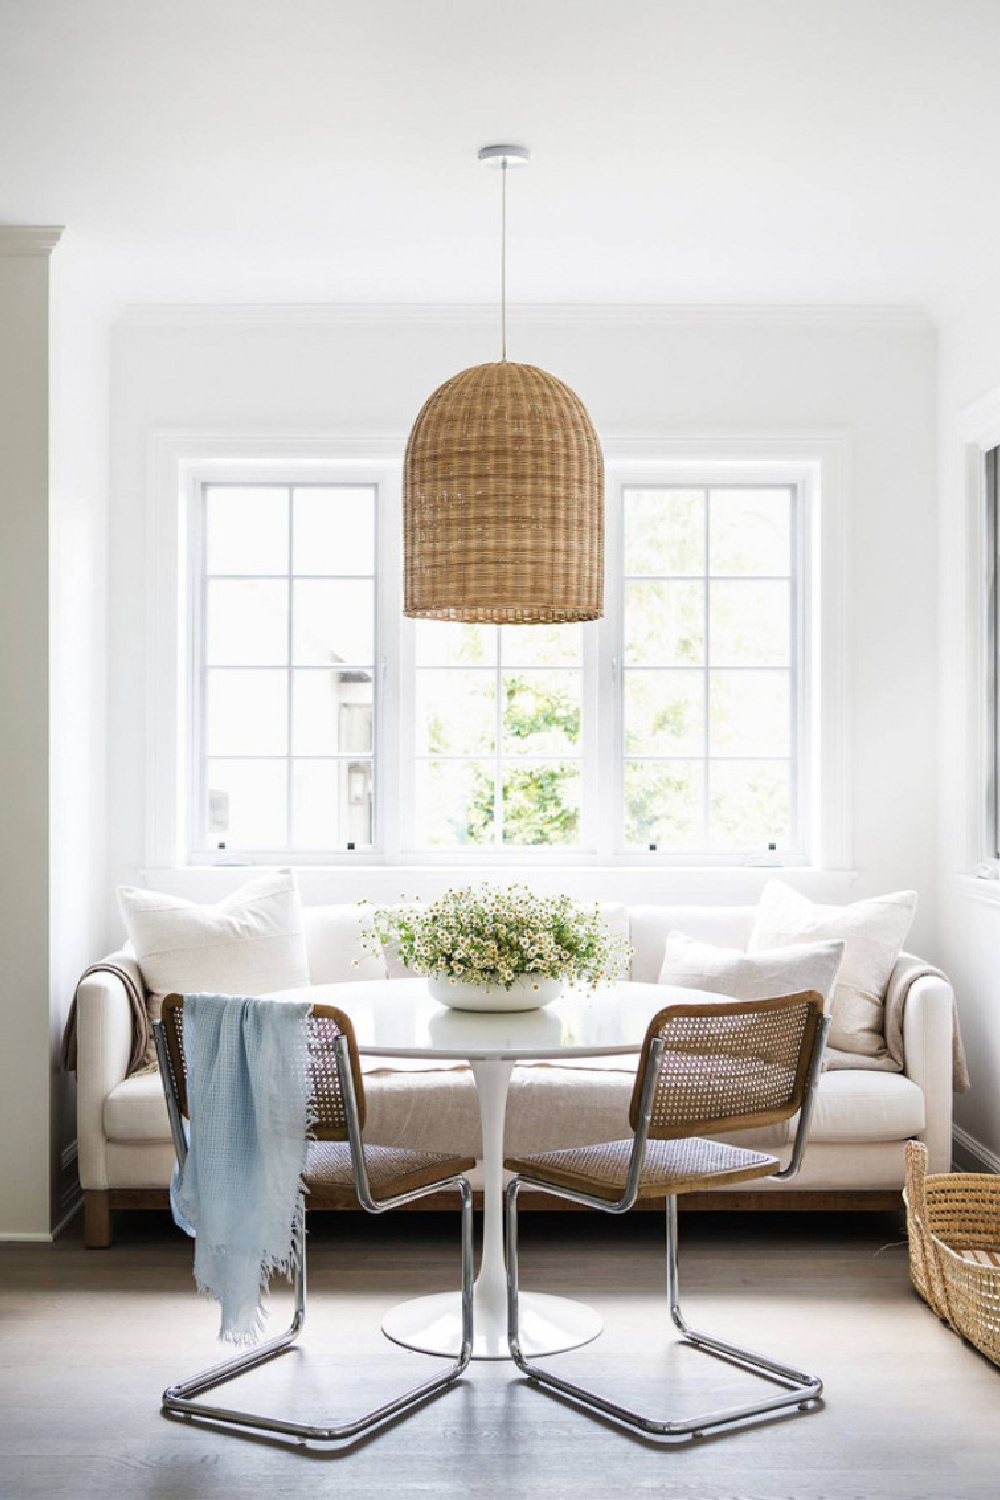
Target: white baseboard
981 1158
24 1239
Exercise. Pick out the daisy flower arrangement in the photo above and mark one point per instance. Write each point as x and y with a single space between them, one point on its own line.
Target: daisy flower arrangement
491 934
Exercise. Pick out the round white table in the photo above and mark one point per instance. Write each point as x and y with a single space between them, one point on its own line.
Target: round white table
398 1018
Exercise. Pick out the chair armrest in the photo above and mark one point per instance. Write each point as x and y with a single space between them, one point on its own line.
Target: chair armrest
103 1041
927 1047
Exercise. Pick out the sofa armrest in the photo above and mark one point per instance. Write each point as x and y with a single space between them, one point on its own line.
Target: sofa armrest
927 1048
104 1041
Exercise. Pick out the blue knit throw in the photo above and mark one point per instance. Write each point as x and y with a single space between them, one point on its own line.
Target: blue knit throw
249 1108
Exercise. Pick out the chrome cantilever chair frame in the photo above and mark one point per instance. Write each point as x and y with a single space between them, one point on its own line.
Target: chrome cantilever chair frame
180 1399
800 1390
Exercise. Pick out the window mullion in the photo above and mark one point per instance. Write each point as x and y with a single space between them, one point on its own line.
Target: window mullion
289 674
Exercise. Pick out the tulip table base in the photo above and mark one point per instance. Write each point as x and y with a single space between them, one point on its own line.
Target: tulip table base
549 1324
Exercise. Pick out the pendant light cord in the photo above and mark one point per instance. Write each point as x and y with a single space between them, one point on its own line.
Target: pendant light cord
503 260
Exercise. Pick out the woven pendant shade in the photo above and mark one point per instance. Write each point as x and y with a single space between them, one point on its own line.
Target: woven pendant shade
503 502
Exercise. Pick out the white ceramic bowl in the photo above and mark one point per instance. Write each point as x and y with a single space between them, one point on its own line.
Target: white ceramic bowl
527 992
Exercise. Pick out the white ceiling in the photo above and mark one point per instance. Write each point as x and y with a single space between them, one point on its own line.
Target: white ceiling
709 151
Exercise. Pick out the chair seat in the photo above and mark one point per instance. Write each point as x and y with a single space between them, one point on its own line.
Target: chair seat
690 1165
390 1170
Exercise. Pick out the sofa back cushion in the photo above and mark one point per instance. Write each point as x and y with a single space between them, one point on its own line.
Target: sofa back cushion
334 944
722 926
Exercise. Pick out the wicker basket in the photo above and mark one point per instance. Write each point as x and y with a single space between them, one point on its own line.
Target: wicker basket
953 1223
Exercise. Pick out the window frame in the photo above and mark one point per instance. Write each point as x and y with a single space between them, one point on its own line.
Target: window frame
182 464
199 852
801 591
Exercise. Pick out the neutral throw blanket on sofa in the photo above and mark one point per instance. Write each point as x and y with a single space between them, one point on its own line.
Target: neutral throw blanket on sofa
892 1060
124 968
249 1105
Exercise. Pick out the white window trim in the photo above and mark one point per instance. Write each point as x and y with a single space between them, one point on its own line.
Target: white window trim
180 463
968 821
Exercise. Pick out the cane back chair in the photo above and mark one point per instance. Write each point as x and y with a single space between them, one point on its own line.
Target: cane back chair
707 1067
337 1162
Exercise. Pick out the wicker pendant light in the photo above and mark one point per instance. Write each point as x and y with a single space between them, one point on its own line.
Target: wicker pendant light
503 492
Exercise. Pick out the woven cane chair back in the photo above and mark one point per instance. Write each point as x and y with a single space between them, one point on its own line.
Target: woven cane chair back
729 1066
325 1025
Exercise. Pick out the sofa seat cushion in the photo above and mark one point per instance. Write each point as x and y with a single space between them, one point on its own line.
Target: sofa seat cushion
552 1109
136 1110
857 1105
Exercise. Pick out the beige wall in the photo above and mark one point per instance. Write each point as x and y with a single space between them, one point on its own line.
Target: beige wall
24 736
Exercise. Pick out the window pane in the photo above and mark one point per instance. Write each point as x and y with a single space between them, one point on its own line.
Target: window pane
247 712
334 529
541 804
247 623
247 804
332 804
444 643
749 713
541 712
664 713
664 624
333 622
749 803
331 713
750 531
542 645
454 803
749 624
663 804
456 712
664 531
247 529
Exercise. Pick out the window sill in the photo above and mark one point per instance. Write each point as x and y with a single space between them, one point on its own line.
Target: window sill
635 885
975 888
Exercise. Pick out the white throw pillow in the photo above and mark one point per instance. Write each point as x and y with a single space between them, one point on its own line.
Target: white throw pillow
874 932
765 975
249 943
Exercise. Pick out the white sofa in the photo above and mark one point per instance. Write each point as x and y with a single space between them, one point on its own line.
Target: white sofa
855 1155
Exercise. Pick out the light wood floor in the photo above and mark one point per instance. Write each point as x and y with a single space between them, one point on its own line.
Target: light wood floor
89 1338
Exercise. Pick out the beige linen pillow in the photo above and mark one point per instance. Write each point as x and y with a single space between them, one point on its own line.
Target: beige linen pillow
249 943
874 932
765 975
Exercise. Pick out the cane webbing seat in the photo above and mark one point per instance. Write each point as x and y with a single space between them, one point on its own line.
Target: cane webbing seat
679 1166
391 1170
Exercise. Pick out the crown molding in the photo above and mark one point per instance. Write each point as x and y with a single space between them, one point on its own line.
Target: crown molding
29 239
480 314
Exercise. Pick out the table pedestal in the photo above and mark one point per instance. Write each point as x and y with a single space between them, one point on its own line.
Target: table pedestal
548 1324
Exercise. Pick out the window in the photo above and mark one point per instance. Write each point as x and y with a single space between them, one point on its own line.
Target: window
709 668
498 735
287 650
310 721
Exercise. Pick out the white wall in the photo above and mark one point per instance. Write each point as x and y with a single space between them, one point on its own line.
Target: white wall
868 375
24 741
969 910
78 542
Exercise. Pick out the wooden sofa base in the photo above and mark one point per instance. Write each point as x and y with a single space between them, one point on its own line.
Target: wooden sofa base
98 1206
